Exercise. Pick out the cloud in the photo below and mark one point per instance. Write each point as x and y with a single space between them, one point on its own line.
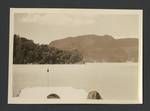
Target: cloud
58 19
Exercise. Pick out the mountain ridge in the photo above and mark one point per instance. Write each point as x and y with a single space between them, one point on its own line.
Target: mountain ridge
100 48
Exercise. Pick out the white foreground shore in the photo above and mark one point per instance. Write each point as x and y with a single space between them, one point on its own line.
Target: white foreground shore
65 93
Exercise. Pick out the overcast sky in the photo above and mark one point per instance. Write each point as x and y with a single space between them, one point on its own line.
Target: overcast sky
46 27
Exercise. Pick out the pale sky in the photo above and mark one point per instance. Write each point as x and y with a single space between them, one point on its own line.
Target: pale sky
46 27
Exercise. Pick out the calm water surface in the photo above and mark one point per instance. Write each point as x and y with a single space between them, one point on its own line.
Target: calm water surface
116 81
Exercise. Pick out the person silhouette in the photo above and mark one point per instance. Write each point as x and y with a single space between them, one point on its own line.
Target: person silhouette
47 69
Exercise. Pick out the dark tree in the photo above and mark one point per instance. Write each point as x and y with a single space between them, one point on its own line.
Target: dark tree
27 52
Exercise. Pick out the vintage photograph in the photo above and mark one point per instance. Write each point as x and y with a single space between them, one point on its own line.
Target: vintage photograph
75 56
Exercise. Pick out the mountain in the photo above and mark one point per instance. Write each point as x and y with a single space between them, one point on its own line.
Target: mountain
95 48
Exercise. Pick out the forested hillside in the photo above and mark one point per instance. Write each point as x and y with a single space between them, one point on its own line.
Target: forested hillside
27 52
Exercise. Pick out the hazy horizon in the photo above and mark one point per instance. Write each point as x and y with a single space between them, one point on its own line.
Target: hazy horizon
45 27
72 37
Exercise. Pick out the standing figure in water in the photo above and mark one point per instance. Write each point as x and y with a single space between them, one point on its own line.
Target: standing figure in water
47 69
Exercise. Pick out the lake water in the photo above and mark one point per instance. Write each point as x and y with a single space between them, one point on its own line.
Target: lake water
114 81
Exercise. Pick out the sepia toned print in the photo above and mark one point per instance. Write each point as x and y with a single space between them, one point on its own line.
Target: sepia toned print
75 56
